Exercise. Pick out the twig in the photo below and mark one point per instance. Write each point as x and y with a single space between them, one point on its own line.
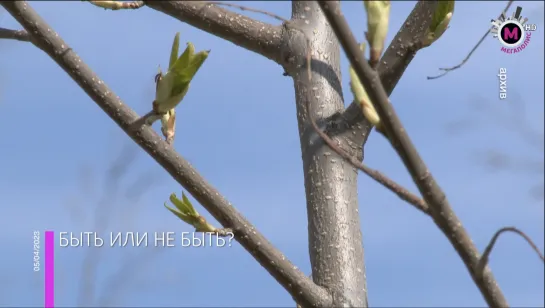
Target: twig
449 69
440 210
301 288
18 35
490 246
249 9
118 5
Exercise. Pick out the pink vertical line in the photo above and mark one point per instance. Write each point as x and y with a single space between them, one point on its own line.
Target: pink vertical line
49 272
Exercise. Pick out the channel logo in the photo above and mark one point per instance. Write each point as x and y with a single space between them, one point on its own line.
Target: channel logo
513 32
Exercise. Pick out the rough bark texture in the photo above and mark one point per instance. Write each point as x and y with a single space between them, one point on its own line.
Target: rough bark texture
335 241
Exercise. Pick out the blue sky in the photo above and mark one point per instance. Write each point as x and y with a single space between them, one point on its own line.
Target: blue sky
237 126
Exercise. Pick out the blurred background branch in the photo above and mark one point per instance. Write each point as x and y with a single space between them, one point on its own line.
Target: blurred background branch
114 209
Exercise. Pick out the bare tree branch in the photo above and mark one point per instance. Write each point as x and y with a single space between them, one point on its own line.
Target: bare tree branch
490 246
259 37
449 69
302 289
440 210
19 35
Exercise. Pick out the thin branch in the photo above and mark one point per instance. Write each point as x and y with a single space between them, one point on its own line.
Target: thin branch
302 289
256 36
449 69
249 9
490 246
118 5
18 35
440 209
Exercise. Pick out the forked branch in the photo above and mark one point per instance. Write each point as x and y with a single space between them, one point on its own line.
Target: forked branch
302 289
440 210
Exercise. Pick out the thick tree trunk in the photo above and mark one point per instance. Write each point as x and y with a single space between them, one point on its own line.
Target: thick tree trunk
335 241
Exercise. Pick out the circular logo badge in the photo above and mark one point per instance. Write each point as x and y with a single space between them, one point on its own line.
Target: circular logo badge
511 33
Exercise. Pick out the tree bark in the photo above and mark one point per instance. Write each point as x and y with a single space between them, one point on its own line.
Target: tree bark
335 240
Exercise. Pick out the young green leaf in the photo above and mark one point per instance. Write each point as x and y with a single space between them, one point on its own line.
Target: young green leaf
440 21
186 212
174 50
189 205
378 17
180 215
441 11
173 86
183 60
187 67
360 95
180 205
